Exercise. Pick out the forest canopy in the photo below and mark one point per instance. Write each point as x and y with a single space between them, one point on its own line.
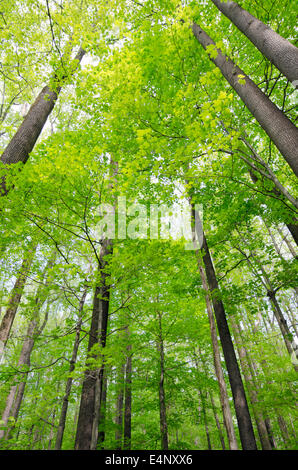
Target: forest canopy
149 226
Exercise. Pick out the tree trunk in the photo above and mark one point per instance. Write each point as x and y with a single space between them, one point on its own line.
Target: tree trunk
277 49
127 401
161 389
63 414
275 123
243 355
203 403
16 393
119 409
102 412
92 383
241 407
220 433
15 299
23 141
228 420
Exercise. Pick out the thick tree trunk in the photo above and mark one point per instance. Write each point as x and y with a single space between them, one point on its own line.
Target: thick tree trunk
277 49
282 132
15 299
23 141
63 414
92 384
241 407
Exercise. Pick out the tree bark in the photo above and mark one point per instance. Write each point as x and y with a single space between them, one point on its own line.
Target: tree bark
119 408
203 403
282 132
15 299
93 378
161 389
243 355
16 393
128 397
241 407
228 420
102 412
23 141
277 49
218 425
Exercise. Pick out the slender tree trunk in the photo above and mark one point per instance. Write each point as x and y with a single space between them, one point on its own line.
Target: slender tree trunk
282 322
241 407
16 393
275 123
51 437
292 226
285 238
243 355
284 430
15 299
277 49
128 397
161 389
203 403
119 408
102 412
63 414
23 141
218 425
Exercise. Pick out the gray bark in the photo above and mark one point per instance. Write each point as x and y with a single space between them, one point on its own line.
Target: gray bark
278 50
23 141
282 132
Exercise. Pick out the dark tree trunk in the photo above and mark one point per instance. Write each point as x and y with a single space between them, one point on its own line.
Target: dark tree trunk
241 407
227 415
282 132
277 49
